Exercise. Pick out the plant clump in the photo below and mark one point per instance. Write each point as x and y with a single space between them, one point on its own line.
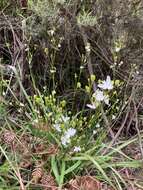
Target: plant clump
71 94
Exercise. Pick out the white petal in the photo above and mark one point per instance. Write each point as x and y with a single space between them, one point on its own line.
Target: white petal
109 83
99 95
91 106
65 140
70 132
65 118
77 149
102 86
108 78
57 127
106 100
97 125
94 132
106 85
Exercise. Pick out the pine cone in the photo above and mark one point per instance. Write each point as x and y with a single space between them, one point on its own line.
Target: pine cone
37 174
48 180
85 183
8 137
53 149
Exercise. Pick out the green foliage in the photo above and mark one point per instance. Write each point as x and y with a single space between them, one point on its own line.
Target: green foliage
3 4
86 19
88 131
57 90
44 9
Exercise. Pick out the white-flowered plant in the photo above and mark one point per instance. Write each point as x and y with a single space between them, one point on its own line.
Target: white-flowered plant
70 132
106 84
59 121
62 125
91 106
98 95
65 130
65 118
65 139
97 125
77 149
57 126
101 95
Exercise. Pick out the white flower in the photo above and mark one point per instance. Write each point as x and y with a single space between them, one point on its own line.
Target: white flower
57 127
22 105
65 140
59 45
70 132
51 32
77 149
65 118
94 132
106 84
88 48
91 106
99 96
97 125
81 67
117 49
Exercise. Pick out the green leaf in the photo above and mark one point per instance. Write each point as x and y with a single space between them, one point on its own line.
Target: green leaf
100 169
55 169
73 167
61 179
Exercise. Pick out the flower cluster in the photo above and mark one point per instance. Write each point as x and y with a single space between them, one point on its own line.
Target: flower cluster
61 125
106 84
57 126
65 139
100 95
64 125
58 123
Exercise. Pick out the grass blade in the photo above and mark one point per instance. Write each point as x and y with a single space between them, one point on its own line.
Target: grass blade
100 169
61 178
73 167
55 168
